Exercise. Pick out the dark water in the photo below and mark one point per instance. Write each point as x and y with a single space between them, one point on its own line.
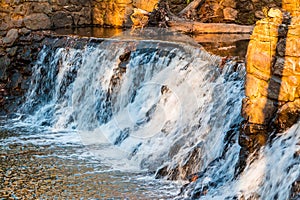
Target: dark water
97 32
219 44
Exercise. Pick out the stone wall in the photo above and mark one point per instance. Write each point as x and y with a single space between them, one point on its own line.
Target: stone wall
272 86
51 14
48 14
117 12
237 11
16 62
44 14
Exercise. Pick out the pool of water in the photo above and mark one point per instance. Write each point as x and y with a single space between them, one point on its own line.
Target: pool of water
37 163
224 45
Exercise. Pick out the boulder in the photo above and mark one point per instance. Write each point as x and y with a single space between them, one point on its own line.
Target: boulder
275 13
230 14
61 19
37 21
139 18
11 37
229 3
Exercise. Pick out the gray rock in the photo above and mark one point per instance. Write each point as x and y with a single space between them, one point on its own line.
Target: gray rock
61 19
37 21
4 64
3 26
80 2
10 37
62 2
24 31
73 8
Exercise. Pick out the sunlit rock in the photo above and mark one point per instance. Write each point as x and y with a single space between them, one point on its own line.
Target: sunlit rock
275 13
230 14
263 107
292 6
111 13
148 5
273 78
139 18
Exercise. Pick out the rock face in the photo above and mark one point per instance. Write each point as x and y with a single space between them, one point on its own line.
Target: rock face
42 14
117 12
15 67
37 21
39 15
272 85
236 11
17 60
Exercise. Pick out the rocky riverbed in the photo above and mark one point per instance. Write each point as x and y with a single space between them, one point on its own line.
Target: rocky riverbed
38 164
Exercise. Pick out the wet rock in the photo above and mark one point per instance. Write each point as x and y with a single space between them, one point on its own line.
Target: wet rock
295 191
4 26
4 63
272 101
11 37
16 79
37 21
288 115
12 51
83 17
24 31
61 19
124 134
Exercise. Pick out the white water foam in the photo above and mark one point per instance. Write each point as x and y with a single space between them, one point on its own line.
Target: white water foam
173 107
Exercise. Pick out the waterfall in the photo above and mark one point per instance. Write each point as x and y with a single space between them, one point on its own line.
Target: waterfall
270 176
167 108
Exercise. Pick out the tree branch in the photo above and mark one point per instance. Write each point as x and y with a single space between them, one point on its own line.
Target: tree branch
192 6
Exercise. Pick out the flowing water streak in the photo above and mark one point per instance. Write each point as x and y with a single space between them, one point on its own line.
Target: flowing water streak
271 175
173 107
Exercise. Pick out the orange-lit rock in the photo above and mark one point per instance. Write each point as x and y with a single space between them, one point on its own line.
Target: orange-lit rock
287 114
292 6
260 88
264 110
112 13
273 69
292 46
259 60
139 18
147 5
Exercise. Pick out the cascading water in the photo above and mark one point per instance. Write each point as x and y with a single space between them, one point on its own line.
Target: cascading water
166 108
